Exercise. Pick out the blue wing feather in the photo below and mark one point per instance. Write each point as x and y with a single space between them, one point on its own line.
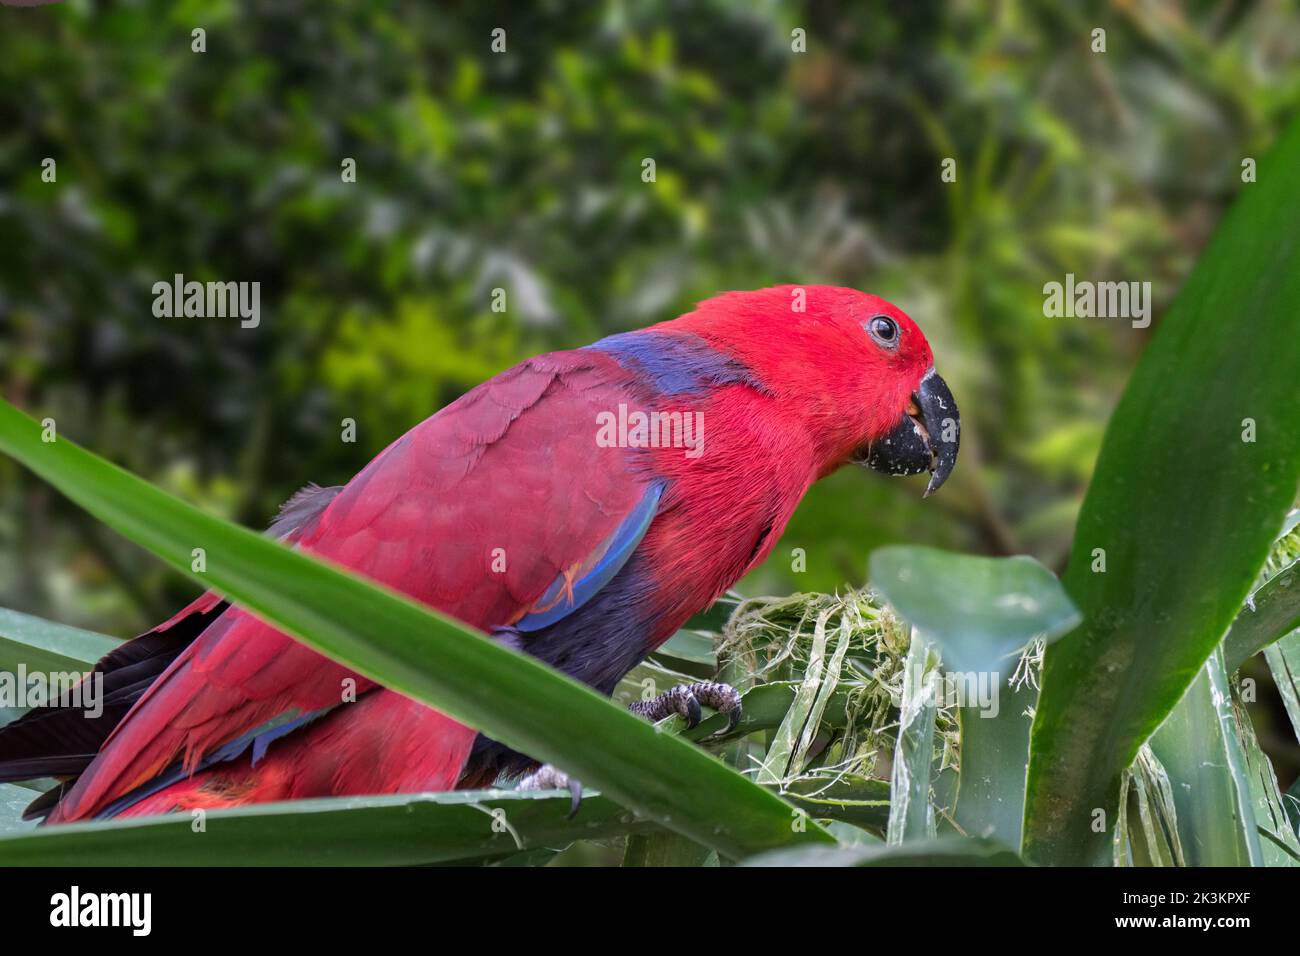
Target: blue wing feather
622 543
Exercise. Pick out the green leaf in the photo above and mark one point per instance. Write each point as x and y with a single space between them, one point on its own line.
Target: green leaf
42 645
427 656
1271 612
994 762
1181 510
400 830
979 611
1199 748
943 851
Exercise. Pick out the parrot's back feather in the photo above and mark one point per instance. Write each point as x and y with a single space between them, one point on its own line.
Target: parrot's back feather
305 505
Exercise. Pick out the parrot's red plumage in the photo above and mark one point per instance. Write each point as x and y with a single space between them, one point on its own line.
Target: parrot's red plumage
512 510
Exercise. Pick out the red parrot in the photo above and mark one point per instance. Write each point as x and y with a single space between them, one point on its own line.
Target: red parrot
579 507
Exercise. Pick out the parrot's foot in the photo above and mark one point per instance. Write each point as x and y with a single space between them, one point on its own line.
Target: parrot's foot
685 699
548 777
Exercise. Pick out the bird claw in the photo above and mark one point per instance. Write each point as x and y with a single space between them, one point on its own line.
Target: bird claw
549 777
685 699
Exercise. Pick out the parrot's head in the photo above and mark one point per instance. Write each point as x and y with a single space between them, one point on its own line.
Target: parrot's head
854 369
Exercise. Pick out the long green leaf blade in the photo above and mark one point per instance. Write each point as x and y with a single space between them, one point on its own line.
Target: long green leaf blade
44 645
994 762
1271 613
401 830
1181 510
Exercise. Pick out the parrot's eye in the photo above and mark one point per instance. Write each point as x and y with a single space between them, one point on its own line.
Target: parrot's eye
884 330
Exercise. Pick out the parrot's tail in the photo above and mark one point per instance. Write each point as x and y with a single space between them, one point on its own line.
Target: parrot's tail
61 739
350 751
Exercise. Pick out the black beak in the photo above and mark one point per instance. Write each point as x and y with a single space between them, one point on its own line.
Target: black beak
925 439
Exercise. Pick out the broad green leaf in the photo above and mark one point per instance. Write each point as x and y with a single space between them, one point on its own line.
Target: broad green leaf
539 857
353 831
911 814
1271 612
980 612
45 646
427 656
1181 510
943 851
1199 748
994 761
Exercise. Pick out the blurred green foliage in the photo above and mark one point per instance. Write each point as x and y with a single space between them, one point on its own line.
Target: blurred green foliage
522 170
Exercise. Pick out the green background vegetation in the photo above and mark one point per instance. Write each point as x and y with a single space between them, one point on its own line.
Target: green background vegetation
523 171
